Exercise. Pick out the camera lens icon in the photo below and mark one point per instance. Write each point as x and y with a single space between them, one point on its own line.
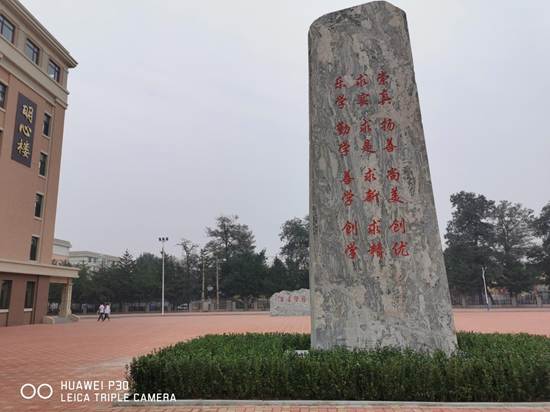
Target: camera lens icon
29 391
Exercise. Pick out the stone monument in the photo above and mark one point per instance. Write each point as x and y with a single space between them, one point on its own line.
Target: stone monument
377 274
290 303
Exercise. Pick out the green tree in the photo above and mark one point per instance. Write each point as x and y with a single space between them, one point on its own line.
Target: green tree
470 237
229 237
232 247
277 278
244 276
513 242
541 253
295 250
84 287
192 276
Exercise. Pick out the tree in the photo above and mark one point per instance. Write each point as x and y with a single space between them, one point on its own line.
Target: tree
191 271
513 243
232 247
84 288
277 278
229 237
540 254
244 276
470 237
295 250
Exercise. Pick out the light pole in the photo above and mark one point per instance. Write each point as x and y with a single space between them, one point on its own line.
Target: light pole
217 285
202 289
162 240
485 286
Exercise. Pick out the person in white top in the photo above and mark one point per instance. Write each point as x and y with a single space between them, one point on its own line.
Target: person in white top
101 312
107 312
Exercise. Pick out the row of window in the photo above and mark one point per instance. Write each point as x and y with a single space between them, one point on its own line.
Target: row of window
5 294
32 51
47 122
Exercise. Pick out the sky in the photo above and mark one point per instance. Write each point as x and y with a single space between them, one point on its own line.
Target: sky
180 111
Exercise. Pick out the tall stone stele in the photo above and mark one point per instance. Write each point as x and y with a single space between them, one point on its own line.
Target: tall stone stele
377 275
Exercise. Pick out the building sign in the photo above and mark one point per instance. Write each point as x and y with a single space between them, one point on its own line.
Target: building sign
25 119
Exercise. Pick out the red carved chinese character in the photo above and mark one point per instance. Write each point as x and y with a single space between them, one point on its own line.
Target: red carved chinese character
374 227
303 298
398 225
393 174
281 299
394 197
367 147
350 228
339 83
376 249
371 195
363 99
342 128
361 80
343 148
384 97
347 177
369 175
400 249
365 126
387 124
390 147
382 78
347 197
351 250
341 101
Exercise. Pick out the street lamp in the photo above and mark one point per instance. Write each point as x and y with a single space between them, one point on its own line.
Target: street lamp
483 269
162 240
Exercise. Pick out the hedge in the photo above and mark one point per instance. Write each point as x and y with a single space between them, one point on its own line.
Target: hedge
486 368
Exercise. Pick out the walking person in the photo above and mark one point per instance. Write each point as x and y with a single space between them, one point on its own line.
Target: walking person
101 312
107 312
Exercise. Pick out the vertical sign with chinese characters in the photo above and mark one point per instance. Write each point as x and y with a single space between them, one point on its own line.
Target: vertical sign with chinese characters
377 275
25 119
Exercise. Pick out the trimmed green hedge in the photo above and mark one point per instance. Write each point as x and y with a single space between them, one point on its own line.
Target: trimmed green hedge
488 367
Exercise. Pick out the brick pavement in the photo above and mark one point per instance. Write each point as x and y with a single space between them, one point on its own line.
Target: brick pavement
89 350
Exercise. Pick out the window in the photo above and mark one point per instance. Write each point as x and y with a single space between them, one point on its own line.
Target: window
34 248
47 124
29 295
6 29
38 205
53 71
32 51
3 90
43 164
5 294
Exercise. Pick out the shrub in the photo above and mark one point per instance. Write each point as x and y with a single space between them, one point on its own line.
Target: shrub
486 368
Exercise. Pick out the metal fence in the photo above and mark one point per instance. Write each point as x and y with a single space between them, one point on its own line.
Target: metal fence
538 298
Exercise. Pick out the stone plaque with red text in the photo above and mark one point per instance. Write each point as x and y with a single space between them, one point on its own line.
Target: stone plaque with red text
377 275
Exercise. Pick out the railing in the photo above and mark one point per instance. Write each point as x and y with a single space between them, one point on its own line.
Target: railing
533 299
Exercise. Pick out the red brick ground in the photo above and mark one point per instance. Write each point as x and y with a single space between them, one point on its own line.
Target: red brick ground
89 350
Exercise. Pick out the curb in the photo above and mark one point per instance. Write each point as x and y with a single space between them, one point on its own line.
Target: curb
359 404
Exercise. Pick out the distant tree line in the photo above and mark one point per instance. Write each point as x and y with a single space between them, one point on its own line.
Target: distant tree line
244 272
508 240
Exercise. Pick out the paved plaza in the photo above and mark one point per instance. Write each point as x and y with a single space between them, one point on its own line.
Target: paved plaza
89 350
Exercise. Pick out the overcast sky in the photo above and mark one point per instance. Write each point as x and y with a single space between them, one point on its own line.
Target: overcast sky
182 110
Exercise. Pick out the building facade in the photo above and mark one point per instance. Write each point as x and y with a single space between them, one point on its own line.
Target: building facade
33 99
61 252
92 260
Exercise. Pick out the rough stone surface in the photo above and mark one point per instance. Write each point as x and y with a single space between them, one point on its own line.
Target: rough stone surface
367 288
290 303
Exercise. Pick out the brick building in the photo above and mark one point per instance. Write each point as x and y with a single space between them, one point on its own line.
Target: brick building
33 100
